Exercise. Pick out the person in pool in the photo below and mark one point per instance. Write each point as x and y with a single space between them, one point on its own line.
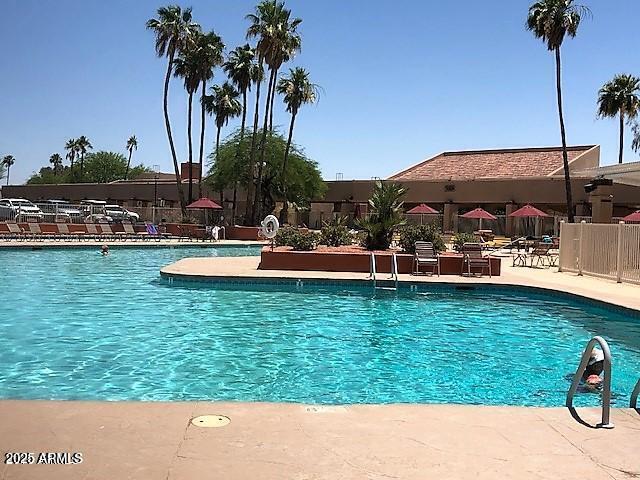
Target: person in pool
104 249
592 374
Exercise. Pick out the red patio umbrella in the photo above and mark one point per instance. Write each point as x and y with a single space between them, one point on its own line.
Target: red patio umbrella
633 217
528 211
204 203
480 214
422 209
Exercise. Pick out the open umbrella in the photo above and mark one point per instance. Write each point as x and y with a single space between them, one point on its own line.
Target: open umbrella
480 214
422 209
204 204
528 211
633 217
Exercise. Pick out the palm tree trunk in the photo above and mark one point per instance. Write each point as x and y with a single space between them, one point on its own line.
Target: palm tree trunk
284 213
126 173
252 161
258 194
167 124
81 166
8 173
190 110
273 96
239 152
621 136
235 197
565 158
203 119
217 150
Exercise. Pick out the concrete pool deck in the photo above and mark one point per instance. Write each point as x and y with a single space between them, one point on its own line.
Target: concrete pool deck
137 440
623 294
139 242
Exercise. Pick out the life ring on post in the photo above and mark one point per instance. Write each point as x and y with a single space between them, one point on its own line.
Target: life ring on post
270 226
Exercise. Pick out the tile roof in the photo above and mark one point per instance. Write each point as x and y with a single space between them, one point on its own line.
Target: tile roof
510 163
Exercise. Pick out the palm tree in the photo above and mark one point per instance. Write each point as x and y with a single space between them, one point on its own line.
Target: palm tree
551 21
72 150
173 29
297 90
82 145
278 41
636 137
243 70
56 161
210 48
7 161
620 96
385 206
224 104
187 66
132 144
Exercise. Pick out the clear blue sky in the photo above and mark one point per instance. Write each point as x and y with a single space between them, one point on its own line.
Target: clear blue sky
402 80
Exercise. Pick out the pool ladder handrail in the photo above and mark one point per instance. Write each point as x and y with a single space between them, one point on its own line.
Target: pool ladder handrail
372 268
394 269
633 402
606 388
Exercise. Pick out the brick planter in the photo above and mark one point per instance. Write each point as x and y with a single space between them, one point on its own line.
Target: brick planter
334 260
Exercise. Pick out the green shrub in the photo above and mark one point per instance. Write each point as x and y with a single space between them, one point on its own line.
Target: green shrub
460 239
285 236
305 241
336 233
411 234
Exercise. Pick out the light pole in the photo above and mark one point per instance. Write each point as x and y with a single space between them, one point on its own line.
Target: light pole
156 169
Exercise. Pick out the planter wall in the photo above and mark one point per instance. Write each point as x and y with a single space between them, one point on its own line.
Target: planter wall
236 232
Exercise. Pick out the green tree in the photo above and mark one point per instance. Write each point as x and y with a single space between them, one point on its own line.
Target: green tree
621 97
278 41
385 215
105 167
303 179
83 145
56 161
296 90
173 29
72 150
7 162
243 70
132 144
551 21
210 48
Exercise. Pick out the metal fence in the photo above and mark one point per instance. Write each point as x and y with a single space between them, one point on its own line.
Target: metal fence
601 250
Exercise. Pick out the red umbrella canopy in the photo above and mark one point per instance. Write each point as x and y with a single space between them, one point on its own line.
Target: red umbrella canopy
204 203
479 213
633 217
528 211
422 209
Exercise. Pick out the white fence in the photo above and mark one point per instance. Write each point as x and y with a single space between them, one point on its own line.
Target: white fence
601 250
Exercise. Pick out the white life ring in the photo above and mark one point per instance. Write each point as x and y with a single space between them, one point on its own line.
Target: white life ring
270 226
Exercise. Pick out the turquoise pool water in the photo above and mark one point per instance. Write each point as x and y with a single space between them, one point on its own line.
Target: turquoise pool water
76 325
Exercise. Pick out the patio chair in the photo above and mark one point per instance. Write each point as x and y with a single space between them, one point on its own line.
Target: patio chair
92 232
472 258
65 234
15 232
152 232
35 233
109 234
129 232
426 255
540 253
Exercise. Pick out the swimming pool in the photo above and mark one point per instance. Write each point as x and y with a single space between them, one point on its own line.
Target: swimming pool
76 325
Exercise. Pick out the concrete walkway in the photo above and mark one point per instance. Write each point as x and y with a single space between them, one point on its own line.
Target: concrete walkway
623 294
288 441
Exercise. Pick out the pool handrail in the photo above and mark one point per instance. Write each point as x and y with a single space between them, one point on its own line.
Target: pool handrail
394 269
633 403
606 387
372 268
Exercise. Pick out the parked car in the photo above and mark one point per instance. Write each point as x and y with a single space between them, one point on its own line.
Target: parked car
19 209
98 218
61 210
119 213
90 207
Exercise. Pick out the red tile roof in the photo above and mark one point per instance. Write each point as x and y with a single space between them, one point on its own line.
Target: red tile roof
517 162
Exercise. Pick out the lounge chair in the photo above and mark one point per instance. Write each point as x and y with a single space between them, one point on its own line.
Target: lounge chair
92 232
152 232
129 231
426 255
35 233
66 234
472 258
15 232
109 234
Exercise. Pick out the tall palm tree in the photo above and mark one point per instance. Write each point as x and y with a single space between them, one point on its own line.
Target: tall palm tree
278 41
551 21
72 150
224 105
243 70
56 161
8 161
187 66
620 96
83 145
132 144
297 90
173 29
210 48
636 137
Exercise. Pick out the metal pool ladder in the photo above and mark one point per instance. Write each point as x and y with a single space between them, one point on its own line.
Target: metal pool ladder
394 271
633 403
606 388
372 269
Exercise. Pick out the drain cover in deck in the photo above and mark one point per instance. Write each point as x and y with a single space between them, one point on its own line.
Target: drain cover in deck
211 421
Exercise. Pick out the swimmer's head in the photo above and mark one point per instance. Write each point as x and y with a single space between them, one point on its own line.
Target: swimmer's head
105 249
